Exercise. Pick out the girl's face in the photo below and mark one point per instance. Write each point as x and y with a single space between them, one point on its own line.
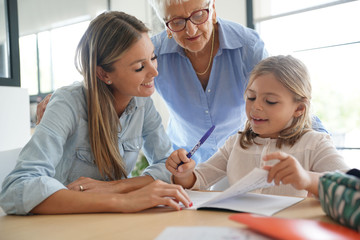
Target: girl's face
134 72
194 37
270 106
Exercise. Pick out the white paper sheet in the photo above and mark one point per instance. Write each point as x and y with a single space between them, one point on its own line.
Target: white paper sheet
237 197
255 179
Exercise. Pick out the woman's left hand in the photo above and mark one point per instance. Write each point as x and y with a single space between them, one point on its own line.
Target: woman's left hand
287 171
118 186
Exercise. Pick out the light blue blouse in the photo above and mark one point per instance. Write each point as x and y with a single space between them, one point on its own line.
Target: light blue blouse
59 152
192 110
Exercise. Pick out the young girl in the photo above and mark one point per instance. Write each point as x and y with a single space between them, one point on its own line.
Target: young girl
277 137
89 139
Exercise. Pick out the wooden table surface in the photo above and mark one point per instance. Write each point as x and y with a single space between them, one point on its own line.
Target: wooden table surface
143 225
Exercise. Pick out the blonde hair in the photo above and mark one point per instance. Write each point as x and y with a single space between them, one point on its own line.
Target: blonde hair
108 36
160 6
293 75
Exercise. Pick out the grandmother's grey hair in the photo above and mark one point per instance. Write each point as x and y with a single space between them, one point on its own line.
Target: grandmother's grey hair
160 5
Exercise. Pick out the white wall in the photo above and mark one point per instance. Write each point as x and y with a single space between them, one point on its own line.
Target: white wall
42 15
233 10
15 118
14 126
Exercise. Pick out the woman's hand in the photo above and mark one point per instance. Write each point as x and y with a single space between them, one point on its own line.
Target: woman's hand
289 171
152 195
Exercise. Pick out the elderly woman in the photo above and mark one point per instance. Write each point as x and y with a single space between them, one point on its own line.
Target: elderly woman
204 66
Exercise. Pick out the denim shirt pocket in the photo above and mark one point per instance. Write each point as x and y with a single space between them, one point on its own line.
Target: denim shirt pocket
83 165
130 152
85 155
131 145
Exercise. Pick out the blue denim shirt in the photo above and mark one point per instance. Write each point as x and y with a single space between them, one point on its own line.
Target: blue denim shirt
59 151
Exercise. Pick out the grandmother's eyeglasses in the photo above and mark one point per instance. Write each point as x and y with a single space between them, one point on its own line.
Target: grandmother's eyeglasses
197 17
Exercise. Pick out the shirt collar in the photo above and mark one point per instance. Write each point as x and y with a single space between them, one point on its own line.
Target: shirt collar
228 38
132 106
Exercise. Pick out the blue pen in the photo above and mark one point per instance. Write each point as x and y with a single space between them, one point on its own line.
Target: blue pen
202 140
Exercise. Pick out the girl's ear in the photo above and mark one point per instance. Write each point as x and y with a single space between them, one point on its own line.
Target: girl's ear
102 74
299 110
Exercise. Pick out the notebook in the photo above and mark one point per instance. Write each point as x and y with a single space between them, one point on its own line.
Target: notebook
238 198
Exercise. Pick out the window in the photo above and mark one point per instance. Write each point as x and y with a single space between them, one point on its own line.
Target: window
47 58
326 38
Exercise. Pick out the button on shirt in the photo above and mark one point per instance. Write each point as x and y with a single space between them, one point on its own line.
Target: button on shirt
192 110
59 152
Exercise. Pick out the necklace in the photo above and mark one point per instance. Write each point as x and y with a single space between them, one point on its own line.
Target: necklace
211 54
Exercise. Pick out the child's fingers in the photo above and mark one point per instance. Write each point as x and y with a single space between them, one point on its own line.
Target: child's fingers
281 174
172 163
189 166
171 166
182 156
276 171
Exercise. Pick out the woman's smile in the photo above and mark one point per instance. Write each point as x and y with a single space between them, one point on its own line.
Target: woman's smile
148 84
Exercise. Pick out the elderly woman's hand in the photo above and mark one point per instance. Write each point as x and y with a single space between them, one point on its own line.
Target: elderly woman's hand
41 108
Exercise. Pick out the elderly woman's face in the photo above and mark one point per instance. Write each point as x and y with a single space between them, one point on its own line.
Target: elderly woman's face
193 37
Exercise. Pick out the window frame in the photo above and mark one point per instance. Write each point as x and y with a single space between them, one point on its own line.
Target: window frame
13 36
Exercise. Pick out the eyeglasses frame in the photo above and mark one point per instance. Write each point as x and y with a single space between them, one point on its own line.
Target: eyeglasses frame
188 19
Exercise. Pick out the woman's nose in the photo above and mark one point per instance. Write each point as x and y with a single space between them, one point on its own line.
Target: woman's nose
153 69
190 28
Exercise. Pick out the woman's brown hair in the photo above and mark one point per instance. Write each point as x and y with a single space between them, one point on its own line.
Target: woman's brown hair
108 36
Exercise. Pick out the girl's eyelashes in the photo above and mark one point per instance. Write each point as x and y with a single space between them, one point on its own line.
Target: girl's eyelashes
154 57
271 103
267 101
140 69
251 98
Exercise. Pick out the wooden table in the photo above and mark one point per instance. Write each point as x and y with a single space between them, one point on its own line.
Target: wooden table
143 225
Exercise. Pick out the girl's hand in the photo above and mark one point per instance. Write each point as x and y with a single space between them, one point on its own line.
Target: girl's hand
185 169
288 171
152 195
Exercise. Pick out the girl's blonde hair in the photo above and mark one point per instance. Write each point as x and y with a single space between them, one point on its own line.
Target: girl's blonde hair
108 36
293 75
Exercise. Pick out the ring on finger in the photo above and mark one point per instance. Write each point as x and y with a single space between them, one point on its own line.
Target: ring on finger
81 188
